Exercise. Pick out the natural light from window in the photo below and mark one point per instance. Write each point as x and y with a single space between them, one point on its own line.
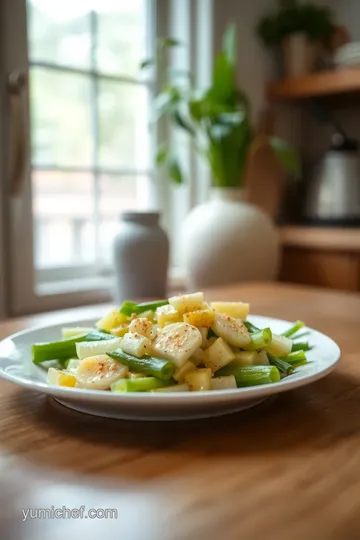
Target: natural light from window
89 112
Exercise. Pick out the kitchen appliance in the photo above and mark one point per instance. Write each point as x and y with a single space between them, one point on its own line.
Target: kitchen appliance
333 194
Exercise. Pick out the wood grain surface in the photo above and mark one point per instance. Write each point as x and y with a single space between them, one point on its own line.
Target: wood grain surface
286 470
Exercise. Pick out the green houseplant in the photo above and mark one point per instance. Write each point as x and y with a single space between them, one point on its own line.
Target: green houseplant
225 239
300 29
217 118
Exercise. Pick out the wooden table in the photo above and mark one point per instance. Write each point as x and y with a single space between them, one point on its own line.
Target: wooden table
286 470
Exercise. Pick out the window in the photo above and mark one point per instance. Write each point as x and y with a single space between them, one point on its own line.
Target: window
85 115
89 118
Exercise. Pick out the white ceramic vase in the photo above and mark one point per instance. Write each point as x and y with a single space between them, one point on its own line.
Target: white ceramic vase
140 256
227 240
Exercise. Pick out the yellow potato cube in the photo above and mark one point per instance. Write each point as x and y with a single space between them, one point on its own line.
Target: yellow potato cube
245 358
199 379
223 383
120 330
197 357
238 310
60 378
187 302
218 355
167 314
204 333
203 318
149 314
181 372
113 319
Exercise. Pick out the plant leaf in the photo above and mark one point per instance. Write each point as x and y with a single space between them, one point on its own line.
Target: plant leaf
166 101
229 44
175 172
206 108
181 122
168 42
232 118
162 154
286 155
146 63
224 81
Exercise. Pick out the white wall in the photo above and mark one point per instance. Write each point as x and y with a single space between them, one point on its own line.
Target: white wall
252 58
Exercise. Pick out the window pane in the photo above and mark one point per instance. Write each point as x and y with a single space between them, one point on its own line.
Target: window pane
63 207
59 32
123 125
60 110
117 194
121 37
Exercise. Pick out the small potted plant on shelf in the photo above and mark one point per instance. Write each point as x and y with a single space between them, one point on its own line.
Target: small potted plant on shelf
226 239
300 30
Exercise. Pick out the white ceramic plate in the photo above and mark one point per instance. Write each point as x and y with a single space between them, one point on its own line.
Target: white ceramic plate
16 366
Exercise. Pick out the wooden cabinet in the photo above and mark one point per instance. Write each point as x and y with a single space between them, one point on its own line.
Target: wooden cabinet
321 257
322 268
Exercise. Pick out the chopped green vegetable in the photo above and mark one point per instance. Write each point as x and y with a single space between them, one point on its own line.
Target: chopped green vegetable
260 339
64 363
144 384
211 334
301 346
61 350
283 367
293 329
128 308
161 369
251 327
251 375
297 358
151 306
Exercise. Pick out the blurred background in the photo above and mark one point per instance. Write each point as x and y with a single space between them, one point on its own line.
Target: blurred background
78 144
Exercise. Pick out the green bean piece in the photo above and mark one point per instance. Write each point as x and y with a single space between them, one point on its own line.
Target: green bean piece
294 358
293 329
283 367
66 348
260 339
251 375
211 334
301 346
251 327
128 308
151 306
145 384
149 365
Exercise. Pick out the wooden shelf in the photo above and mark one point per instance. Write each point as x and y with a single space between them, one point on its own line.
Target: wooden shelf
321 238
324 83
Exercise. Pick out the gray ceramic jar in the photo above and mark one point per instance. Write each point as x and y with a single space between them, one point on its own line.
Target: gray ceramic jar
141 257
